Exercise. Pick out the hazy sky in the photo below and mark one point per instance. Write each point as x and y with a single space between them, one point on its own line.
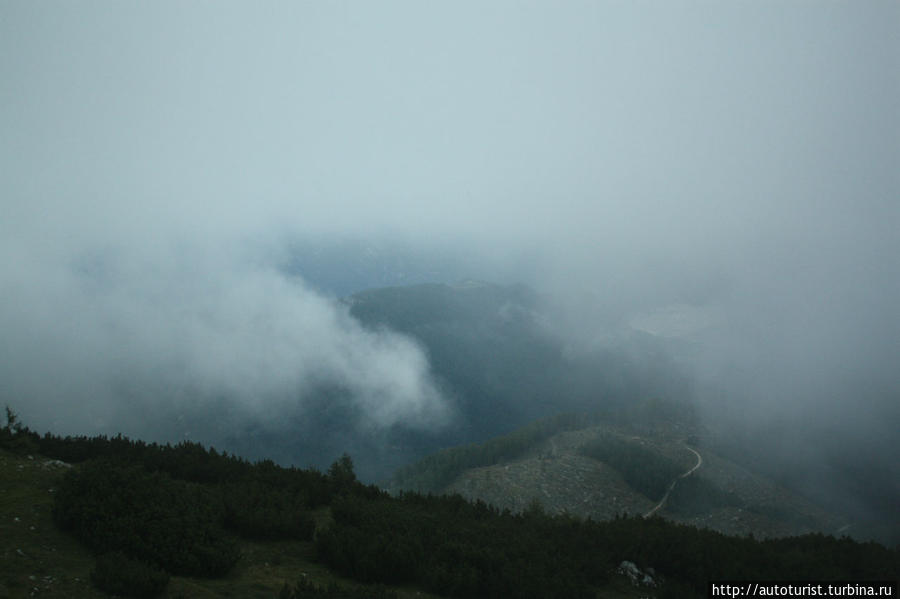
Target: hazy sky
153 156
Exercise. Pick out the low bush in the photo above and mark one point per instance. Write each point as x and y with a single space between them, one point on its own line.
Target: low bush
117 574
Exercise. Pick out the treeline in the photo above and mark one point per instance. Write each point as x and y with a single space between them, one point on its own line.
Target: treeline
261 484
436 471
644 470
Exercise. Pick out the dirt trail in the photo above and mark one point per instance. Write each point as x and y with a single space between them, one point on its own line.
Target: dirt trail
662 501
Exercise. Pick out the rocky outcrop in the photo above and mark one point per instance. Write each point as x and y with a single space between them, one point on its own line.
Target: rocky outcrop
638 577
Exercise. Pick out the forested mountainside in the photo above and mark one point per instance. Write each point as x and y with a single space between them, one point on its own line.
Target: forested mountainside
172 521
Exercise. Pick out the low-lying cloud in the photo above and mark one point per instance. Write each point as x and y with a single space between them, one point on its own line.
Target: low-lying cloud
722 172
125 338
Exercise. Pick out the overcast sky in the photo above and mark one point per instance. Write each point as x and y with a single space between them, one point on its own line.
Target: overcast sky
743 154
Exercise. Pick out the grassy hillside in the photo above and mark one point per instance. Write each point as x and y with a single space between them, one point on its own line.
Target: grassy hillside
36 554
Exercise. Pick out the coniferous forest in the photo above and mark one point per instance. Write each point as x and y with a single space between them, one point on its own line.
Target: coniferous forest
151 511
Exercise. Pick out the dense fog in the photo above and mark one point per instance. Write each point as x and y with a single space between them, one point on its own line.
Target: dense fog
186 191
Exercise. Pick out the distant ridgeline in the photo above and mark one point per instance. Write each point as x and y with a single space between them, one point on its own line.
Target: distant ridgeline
433 473
152 511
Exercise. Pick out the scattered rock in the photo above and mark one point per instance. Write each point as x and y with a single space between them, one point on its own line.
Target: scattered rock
635 575
56 464
629 569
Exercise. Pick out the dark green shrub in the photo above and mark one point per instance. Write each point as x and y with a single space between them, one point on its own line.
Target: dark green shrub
112 507
307 590
259 511
117 574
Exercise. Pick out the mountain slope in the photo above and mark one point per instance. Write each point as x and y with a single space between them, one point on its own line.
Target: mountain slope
605 468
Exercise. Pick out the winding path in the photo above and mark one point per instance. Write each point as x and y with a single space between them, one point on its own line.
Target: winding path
675 482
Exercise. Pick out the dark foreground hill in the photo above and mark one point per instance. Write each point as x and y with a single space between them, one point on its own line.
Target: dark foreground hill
147 520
